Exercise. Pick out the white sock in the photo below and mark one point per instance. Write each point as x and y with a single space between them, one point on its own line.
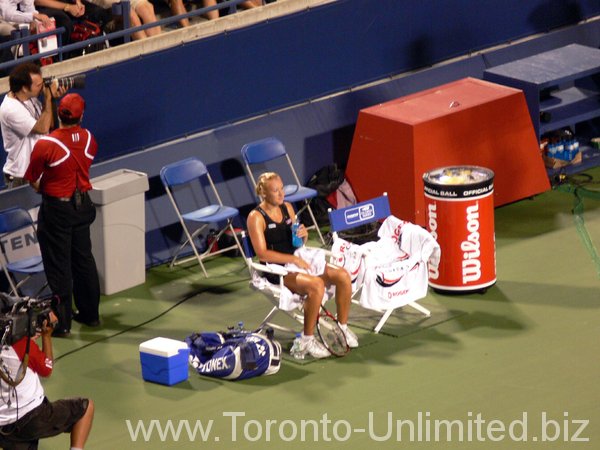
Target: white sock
307 338
76 448
344 326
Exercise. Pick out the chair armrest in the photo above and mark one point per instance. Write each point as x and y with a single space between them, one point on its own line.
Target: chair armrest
282 271
275 269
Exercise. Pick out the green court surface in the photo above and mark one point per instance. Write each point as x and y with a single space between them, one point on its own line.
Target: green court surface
517 367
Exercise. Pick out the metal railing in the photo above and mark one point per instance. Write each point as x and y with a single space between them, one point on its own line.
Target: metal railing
22 36
119 9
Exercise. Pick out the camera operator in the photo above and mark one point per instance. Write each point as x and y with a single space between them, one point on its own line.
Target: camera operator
24 118
26 415
59 170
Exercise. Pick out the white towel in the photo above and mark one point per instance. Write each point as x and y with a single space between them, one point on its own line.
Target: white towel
396 278
394 283
412 239
349 256
394 268
313 256
288 300
391 228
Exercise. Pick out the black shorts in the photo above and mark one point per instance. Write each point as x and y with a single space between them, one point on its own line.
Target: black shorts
48 419
271 278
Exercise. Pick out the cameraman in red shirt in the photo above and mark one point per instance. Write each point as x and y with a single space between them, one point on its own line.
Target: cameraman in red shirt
26 415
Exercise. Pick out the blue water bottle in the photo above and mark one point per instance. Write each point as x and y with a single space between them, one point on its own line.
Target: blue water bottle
297 241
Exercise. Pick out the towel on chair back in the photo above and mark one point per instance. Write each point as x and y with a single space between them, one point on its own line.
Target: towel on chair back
234 355
394 269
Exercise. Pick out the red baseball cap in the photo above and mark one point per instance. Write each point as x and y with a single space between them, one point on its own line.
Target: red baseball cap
71 106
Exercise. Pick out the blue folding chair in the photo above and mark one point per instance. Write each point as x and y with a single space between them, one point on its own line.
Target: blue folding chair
186 172
19 267
268 149
363 213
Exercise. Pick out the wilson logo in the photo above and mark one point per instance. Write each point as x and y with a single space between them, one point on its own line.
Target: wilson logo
434 270
471 264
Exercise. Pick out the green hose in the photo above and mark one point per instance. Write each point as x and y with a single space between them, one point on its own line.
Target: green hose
578 209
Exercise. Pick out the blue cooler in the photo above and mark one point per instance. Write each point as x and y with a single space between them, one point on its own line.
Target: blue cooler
164 360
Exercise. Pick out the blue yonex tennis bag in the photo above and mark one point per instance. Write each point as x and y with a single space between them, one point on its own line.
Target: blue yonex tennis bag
234 355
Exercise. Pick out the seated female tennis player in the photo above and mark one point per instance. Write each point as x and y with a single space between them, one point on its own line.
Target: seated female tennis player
270 230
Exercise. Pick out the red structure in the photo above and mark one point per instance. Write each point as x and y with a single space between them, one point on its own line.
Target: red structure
466 122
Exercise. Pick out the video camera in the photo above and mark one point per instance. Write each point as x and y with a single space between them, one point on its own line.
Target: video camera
72 82
22 316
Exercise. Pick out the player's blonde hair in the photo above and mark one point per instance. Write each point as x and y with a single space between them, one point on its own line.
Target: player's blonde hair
261 184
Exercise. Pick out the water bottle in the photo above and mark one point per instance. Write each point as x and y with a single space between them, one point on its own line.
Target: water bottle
297 241
560 148
296 350
569 149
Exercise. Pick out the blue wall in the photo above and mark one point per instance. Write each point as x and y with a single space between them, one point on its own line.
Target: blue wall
315 133
214 81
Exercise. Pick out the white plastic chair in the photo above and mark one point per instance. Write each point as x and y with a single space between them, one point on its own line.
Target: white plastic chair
274 291
271 291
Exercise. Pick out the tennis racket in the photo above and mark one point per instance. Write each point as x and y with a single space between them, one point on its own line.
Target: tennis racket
331 334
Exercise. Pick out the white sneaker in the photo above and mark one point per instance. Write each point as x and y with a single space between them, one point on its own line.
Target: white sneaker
309 345
351 338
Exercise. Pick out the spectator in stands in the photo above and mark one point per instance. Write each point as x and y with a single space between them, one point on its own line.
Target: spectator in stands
15 12
24 119
177 8
64 12
142 12
214 14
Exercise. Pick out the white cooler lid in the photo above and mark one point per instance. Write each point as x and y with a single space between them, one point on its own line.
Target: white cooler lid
161 346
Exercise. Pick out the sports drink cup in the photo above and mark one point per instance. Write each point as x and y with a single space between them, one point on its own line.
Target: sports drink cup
297 241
